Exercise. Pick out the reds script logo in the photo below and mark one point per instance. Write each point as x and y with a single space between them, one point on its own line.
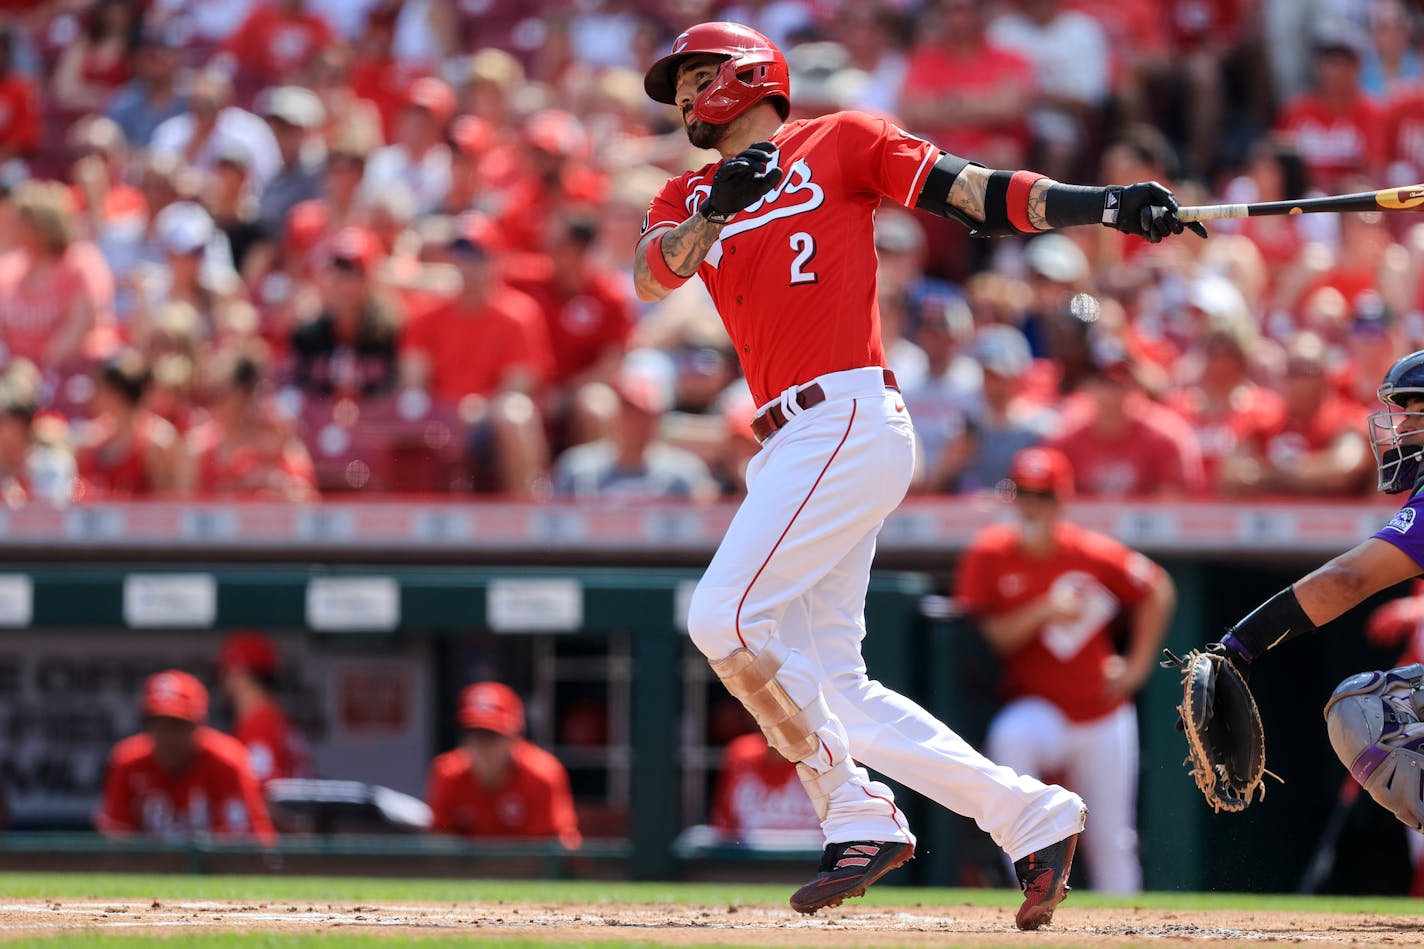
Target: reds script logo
796 194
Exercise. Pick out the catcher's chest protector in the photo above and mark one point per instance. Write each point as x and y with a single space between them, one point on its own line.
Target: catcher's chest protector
1374 723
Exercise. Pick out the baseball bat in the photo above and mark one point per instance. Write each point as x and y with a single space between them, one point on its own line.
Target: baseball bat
1390 199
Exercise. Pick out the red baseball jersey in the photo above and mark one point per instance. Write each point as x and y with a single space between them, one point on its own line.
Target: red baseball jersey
758 789
1063 663
1333 144
218 793
1156 452
793 275
473 353
534 801
275 748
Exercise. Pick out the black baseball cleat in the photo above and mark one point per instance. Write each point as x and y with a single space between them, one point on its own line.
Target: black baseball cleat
847 870
1043 875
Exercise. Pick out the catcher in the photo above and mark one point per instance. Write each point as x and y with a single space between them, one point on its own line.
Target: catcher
1375 719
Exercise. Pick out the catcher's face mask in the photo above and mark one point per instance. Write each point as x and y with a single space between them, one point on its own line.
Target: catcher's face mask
1397 433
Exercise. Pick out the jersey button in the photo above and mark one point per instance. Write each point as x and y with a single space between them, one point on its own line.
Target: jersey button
739 300
746 348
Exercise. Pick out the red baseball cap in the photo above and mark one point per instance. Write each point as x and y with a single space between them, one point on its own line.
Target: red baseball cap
558 133
471 135
477 231
1042 471
358 245
433 95
175 694
492 706
248 650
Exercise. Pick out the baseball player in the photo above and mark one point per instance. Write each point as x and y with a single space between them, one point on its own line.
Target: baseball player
1373 718
781 232
1045 593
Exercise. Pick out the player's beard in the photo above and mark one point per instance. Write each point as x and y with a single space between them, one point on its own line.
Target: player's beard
705 134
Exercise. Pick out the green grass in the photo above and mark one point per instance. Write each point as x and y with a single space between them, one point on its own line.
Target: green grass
351 891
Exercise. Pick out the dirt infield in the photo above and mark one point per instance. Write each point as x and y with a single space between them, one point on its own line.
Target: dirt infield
708 925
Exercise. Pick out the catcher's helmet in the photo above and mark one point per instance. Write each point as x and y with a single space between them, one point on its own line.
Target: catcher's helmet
1399 460
754 70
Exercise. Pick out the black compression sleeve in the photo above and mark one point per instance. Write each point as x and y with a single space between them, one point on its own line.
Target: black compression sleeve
1068 205
934 193
1272 623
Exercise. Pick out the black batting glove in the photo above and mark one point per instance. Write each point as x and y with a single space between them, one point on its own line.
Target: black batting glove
740 182
1146 209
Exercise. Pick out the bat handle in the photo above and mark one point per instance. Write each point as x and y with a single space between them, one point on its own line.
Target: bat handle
1212 212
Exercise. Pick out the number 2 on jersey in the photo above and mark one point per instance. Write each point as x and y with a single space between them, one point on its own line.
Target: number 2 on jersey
805 246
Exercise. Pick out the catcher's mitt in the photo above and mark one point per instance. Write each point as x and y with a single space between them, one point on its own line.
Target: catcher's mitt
1226 745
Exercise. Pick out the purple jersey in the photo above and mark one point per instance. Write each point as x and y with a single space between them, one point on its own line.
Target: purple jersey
1402 532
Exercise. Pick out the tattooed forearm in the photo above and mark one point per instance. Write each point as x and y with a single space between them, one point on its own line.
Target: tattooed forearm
967 192
1038 203
684 248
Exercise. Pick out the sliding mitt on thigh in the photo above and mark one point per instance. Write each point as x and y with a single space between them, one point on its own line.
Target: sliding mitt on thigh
1374 724
1226 745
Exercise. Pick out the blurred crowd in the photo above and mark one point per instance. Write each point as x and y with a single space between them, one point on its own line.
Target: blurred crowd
290 248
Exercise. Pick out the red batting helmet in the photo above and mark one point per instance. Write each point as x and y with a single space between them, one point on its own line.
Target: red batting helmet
754 70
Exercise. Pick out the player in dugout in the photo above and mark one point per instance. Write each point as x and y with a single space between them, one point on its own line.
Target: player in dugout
781 231
178 777
497 784
247 668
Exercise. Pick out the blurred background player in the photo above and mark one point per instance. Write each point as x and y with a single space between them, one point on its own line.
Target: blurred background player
247 669
179 777
759 790
1046 594
496 784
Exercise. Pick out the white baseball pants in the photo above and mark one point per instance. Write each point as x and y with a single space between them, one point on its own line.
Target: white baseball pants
794 566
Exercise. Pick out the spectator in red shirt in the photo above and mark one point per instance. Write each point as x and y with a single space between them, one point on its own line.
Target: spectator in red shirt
1336 129
179 777
19 105
278 39
1318 447
56 292
245 450
555 178
497 784
487 351
247 667
965 94
92 69
126 450
1120 444
587 309
1045 593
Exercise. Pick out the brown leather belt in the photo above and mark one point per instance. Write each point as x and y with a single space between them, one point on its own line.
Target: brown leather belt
769 422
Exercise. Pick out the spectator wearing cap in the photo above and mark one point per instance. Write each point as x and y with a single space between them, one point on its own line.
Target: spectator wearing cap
196 268
553 178
1318 446
1336 128
1217 397
179 778
279 38
247 667
98 62
587 309
1057 270
634 461
245 450
20 110
294 114
486 350
1003 420
471 138
56 292
349 347
1119 443
1046 595
497 784
125 450
152 96
231 199
213 124
419 159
